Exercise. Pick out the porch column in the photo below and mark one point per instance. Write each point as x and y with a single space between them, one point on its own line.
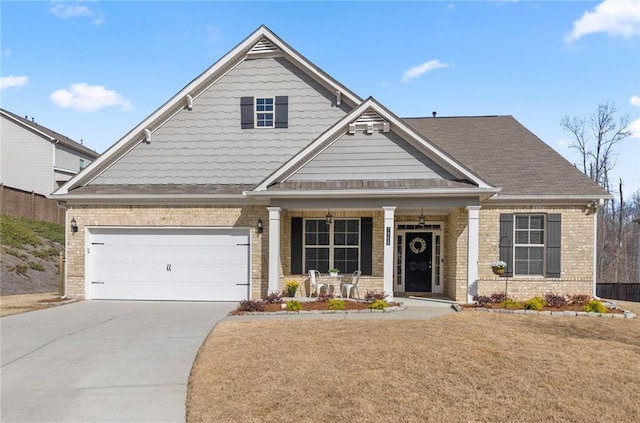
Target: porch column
274 248
473 228
389 235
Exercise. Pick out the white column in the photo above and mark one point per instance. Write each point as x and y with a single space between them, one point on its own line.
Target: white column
473 228
274 248
389 235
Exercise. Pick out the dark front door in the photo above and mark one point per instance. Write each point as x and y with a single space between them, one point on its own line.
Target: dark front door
417 261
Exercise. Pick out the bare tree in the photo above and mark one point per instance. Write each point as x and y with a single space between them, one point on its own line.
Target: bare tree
596 138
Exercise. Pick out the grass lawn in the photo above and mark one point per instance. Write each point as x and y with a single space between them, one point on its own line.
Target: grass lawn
466 367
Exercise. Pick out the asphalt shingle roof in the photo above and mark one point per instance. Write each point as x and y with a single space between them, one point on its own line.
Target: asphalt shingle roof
504 153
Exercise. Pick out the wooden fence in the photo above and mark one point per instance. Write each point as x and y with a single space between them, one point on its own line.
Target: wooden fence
619 291
18 203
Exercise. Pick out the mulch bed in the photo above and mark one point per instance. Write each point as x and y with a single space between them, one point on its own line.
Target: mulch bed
315 305
568 307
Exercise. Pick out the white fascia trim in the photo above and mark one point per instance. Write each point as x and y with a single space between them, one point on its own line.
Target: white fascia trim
373 193
545 199
30 127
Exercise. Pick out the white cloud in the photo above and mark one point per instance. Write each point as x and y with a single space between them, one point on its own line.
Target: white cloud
85 97
66 10
634 128
635 100
13 81
565 142
613 17
416 71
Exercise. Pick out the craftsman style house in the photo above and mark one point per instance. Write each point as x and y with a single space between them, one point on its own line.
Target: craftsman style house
264 167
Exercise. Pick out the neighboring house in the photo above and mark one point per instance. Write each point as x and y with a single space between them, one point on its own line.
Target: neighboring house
265 167
36 159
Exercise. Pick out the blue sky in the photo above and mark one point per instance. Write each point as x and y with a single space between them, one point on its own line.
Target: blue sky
92 70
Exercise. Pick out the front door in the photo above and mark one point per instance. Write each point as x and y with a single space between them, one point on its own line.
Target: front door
417 261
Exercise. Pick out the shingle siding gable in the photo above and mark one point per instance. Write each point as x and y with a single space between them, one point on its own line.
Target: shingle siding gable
208 144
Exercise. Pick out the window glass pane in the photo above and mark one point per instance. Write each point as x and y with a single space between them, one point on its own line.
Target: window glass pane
535 253
537 222
352 225
521 267
352 239
352 254
311 238
522 253
522 237
536 237
535 267
317 258
340 225
522 222
339 254
310 225
323 239
339 239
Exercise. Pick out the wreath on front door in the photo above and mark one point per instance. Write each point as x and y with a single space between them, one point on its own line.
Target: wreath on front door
415 248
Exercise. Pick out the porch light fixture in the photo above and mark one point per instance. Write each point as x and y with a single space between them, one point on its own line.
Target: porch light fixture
259 226
74 225
328 218
421 221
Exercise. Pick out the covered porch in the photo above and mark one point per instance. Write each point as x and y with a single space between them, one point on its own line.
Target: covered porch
402 246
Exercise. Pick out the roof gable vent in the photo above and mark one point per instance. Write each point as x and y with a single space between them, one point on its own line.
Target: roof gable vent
368 122
264 47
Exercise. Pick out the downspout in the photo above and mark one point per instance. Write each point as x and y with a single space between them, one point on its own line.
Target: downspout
596 210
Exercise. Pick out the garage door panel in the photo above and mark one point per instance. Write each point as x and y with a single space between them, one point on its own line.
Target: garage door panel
169 264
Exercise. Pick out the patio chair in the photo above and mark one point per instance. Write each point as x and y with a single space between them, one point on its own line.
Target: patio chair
352 285
315 281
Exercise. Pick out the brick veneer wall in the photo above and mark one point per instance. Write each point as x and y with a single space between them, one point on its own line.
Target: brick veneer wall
167 216
576 254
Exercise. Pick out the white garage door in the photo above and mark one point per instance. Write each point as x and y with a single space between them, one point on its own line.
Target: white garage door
168 264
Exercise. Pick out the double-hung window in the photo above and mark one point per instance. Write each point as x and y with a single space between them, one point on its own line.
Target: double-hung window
264 112
332 246
529 236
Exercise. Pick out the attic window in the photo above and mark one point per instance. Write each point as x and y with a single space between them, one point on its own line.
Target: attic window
82 164
264 112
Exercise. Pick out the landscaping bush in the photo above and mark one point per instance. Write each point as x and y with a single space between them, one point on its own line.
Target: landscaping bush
555 300
273 298
251 305
498 297
378 305
579 299
595 306
481 300
372 296
336 304
509 303
294 305
36 266
535 303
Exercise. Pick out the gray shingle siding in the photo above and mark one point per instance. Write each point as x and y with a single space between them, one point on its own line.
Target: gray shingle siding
377 156
207 145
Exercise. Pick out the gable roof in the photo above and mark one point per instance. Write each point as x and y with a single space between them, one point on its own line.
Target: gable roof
262 42
371 108
48 134
502 151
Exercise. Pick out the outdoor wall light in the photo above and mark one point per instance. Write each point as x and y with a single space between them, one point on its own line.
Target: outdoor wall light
74 225
259 226
328 218
421 221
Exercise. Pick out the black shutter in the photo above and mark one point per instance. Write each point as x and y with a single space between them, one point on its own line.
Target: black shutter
246 112
506 242
553 245
366 245
282 112
296 246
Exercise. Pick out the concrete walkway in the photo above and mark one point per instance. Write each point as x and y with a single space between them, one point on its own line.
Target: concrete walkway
102 361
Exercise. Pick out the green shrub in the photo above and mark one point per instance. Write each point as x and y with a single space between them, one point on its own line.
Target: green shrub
15 233
595 306
15 253
294 305
21 269
509 303
378 305
535 303
45 254
36 266
336 304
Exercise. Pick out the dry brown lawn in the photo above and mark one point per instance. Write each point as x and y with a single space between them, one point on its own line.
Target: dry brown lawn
466 367
21 303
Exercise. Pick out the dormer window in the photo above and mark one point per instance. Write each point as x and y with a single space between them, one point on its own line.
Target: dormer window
264 112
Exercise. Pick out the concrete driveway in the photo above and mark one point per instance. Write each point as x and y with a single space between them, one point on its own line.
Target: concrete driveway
102 361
